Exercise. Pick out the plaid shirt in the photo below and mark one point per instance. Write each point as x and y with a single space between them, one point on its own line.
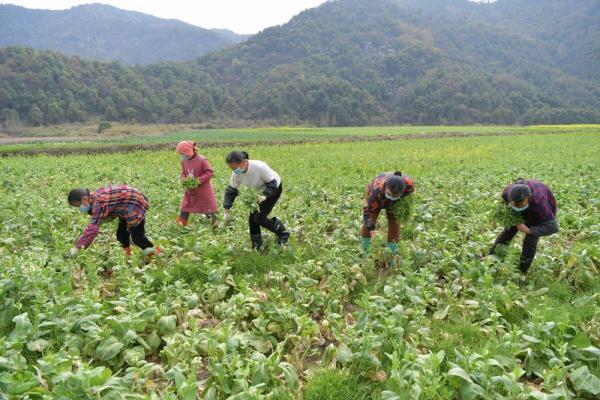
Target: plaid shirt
542 205
114 201
375 196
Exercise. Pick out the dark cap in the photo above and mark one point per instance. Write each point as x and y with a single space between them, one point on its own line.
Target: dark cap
519 192
395 184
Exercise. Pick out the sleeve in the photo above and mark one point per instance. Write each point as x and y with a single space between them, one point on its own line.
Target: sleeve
552 201
267 174
410 185
372 207
230 195
544 229
270 189
88 236
91 231
183 172
234 182
207 172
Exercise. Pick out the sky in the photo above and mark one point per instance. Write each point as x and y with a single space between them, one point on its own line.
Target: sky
241 16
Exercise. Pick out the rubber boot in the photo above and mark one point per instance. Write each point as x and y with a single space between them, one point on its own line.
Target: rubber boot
283 235
365 243
256 242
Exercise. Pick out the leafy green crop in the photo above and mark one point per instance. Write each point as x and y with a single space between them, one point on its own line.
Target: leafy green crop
189 182
211 319
505 216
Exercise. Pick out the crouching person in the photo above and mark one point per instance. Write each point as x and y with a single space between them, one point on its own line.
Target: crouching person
536 204
124 202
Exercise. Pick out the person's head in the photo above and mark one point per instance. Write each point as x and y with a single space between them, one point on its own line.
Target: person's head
237 161
80 198
394 187
187 149
518 197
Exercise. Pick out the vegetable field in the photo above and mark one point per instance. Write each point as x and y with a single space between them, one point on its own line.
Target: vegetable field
212 319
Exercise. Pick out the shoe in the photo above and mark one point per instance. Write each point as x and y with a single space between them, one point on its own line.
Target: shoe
181 222
283 238
257 242
127 251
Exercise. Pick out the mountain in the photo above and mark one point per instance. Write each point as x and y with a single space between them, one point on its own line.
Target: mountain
346 62
102 32
231 36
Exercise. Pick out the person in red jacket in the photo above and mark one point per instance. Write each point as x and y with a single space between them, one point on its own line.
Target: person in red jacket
383 191
200 200
536 204
124 202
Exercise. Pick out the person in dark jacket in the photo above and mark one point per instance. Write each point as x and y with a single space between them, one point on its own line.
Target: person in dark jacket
536 204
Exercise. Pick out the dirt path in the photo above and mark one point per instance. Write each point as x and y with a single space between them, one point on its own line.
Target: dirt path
100 148
47 139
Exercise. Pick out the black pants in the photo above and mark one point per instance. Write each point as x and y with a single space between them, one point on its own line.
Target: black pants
259 218
529 243
137 234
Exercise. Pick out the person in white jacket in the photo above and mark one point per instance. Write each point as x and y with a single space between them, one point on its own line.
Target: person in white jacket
260 177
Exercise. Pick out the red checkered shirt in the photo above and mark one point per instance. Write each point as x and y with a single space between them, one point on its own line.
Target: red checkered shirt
114 201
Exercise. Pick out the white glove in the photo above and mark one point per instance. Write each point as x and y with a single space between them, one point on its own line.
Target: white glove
72 252
226 216
261 198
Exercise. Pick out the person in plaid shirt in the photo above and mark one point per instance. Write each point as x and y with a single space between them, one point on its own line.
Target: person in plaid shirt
124 202
383 191
536 203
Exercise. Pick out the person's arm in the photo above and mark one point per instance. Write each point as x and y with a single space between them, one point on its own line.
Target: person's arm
410 186
270 189
207 172
230 195
91 231
544 229
372 209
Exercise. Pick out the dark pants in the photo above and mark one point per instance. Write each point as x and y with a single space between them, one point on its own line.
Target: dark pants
258 219
529 243
137 234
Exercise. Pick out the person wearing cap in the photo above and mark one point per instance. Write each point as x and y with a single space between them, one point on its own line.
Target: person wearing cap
381 193
536 204
201 199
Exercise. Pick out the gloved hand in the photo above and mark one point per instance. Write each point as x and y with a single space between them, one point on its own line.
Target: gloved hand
393 247
261 198
365 242
72 252
226 216
149 253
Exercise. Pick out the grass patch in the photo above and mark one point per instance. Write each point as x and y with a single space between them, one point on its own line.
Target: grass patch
337 385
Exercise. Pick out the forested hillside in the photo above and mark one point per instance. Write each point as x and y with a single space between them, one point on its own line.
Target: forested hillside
347 62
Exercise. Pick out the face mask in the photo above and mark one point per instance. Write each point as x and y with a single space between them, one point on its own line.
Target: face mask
184 158
517 209
85 209
238 171
392 198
